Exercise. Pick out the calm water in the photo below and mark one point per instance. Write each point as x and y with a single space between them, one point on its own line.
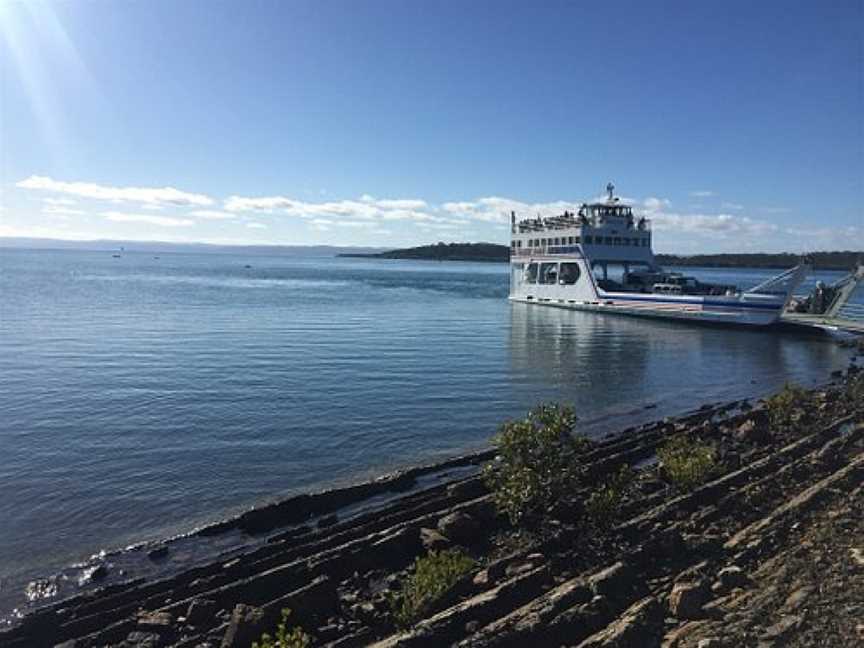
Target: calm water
141 397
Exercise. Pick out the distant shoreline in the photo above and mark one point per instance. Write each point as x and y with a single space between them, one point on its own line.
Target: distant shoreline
494 253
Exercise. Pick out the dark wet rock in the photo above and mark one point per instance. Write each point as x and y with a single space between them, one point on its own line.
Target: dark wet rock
596 613
515 569
732 577
467 489
710 642
327 521
782 628
614 582
159 553
159 622
639 626
246 626
140 639
482 579
704 544
460 528
798 598
200 612
752 431
651 485
432 540
687 599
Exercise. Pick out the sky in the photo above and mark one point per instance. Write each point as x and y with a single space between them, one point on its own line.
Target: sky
734 126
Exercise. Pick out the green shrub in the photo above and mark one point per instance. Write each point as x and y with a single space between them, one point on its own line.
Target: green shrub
433 575
296 638
855 389
603 505
686 462
785 404
538 461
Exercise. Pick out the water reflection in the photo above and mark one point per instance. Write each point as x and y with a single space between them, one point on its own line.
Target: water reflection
618 370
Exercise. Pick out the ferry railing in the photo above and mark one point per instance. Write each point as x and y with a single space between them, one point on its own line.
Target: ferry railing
541 251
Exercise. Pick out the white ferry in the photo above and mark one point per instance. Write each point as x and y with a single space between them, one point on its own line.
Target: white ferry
600 259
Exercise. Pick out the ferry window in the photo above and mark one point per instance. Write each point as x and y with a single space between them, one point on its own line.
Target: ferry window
616 240
548 273
589 240
519 244
531 273
576 240
607 240
569 273
543 242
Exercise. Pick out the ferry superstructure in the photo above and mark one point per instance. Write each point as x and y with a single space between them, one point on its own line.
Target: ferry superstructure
600 259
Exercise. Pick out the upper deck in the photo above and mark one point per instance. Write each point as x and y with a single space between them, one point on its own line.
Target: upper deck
607 231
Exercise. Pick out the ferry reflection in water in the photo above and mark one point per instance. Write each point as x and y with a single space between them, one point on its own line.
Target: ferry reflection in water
620 371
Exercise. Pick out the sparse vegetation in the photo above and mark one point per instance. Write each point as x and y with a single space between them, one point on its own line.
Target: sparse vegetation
295 638
538 461
686 462
432 576
855 388
785 406
603 505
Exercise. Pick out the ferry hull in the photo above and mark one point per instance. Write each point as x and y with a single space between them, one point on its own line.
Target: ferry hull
760 306
726 316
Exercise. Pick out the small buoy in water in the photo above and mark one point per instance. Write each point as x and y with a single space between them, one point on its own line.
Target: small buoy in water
247 266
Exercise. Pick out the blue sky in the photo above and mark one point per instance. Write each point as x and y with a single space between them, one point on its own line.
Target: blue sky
735 125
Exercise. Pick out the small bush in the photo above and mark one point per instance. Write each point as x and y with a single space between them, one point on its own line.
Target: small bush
296 638
538 461
783 406
433 576
603 505
686 462
855 389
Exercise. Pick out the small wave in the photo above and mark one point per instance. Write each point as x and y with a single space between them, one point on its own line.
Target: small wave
221 282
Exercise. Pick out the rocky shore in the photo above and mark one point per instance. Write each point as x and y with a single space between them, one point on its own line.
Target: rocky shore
767 551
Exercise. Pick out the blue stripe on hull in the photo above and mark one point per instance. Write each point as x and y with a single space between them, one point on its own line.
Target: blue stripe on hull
697 302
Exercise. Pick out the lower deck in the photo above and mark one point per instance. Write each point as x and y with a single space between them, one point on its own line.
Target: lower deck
831 324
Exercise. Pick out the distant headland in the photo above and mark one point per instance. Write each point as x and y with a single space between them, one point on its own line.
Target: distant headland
493 252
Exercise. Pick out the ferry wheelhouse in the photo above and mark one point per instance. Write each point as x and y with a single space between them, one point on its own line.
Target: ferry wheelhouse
600 258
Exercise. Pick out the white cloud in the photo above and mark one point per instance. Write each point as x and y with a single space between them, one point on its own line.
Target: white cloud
495 209
322 223
346 212
396 204
256 226
63 211
653 204
702 194
210 214
838 238
711 224
714 225
59 201
731 205
144 195
161 221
